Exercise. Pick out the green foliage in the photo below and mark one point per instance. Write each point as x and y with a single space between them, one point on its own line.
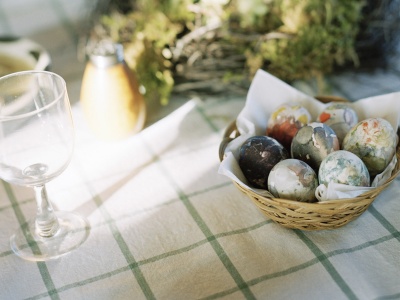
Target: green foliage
292 39
321 34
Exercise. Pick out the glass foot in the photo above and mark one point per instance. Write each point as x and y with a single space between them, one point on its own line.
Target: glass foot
72 232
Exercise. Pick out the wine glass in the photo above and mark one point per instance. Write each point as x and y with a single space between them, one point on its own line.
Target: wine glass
36 145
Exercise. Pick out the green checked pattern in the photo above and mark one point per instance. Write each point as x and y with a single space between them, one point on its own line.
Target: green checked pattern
165 225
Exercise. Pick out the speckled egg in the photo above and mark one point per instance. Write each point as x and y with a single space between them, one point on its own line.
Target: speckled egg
285 121
313 143
374 141
340 117
293 179
343 167
257 156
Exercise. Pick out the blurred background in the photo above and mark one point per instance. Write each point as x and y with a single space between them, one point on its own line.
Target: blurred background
184 48
57 26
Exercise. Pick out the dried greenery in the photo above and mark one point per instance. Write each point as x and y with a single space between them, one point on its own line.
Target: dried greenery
217 45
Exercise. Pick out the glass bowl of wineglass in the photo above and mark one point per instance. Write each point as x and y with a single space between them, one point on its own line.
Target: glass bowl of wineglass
36 145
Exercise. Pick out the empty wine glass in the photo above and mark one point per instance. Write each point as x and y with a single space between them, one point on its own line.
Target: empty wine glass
36 145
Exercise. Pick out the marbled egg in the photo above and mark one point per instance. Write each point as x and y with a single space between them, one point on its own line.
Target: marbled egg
285 121
257 156
293 179
340 117
313 143
343 167
374 141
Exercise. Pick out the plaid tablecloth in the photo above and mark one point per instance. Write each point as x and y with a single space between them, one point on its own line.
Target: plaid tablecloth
165 225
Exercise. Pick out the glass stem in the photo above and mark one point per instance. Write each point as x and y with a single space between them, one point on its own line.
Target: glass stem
46 221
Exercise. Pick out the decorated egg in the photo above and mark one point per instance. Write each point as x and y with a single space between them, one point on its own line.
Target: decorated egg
313 143
286 121
343 167
374 141
340 117
293 179
257 156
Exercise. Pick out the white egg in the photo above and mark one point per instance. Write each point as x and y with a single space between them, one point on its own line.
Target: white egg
373 140
293 179
343 167
340 117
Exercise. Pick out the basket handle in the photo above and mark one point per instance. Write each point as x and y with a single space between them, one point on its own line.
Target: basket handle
329 98
230 134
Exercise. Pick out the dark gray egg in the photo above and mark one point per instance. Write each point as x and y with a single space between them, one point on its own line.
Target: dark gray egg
257 156
313 143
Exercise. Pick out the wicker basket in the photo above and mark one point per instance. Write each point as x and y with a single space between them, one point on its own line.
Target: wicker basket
310 216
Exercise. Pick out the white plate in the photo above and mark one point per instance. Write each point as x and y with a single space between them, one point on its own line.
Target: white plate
20 54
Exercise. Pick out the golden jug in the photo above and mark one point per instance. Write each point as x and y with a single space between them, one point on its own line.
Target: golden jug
110 98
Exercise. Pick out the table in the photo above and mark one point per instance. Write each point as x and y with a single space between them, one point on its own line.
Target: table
166 225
